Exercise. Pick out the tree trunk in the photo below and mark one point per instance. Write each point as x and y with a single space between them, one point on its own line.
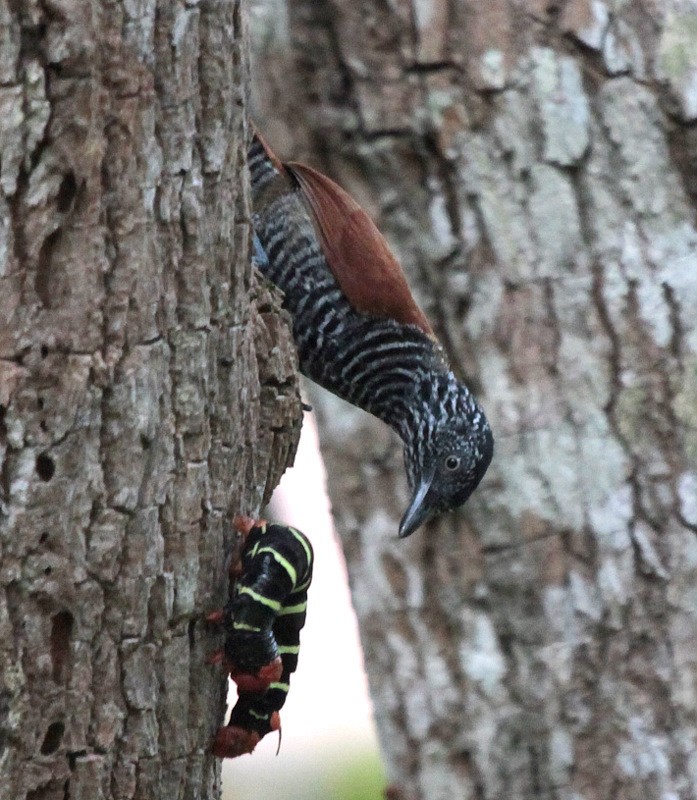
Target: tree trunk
534 165
147 390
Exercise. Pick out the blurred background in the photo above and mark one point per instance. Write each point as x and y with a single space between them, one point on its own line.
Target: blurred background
329 748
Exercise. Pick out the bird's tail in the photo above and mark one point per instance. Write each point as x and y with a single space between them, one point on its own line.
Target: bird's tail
264 166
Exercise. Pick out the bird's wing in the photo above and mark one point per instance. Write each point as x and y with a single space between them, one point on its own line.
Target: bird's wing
358 255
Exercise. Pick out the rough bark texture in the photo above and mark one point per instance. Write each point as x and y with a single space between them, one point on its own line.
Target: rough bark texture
147 389
534 165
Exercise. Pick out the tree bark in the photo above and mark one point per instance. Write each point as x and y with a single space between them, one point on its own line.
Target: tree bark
534 165
147 389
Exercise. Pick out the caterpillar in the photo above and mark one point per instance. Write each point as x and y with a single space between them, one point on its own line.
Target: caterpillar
262 623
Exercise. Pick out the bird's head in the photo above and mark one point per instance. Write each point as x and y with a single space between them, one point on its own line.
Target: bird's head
445 458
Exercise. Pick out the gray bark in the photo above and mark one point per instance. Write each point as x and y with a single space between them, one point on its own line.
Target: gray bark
147 390
534 165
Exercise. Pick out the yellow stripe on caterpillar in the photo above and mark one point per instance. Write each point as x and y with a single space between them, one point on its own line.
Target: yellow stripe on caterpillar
300 608
243 626
274 605
303 541
283 562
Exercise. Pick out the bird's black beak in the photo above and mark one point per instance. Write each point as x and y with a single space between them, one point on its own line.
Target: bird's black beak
418 512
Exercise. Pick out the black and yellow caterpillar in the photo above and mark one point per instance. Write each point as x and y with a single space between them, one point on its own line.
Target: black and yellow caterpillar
262 622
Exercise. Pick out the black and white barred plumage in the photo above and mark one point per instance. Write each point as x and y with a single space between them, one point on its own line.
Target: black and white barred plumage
391 369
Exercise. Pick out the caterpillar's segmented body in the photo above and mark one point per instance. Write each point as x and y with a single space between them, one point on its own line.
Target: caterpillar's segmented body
262 622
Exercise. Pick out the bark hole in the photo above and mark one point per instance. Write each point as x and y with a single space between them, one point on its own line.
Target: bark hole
66 192
73 757
53 738
32 42
61 629
42 423
43 267
45 466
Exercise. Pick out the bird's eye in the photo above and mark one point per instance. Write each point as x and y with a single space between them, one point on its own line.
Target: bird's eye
452 463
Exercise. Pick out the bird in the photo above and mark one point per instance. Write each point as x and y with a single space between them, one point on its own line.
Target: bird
262 623
359 332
